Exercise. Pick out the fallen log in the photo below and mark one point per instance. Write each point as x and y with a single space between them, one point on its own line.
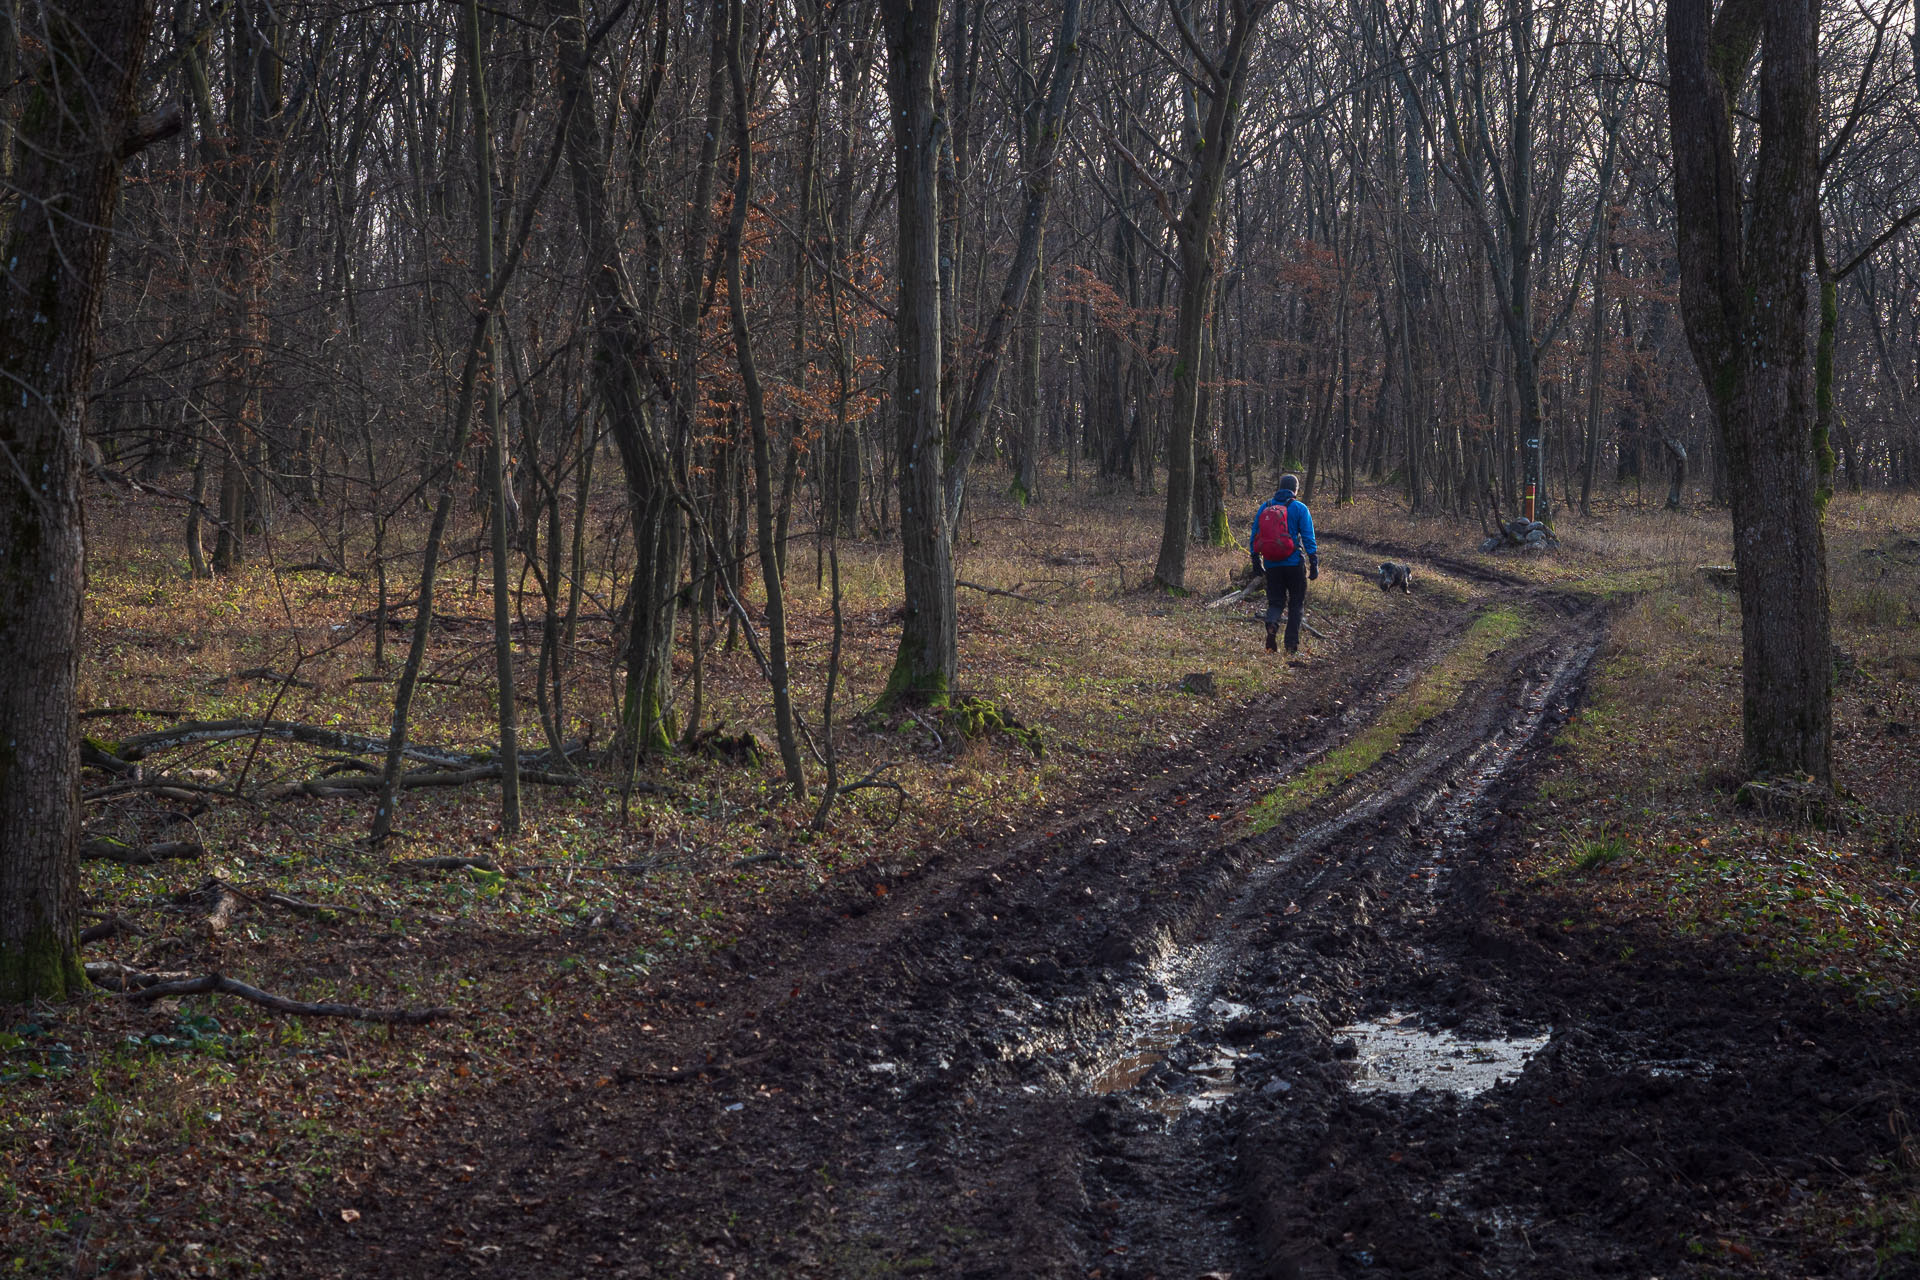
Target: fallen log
98 757
115 976
326 567
217 899
141 988
335 787
141 745
177 789
107 849
110 927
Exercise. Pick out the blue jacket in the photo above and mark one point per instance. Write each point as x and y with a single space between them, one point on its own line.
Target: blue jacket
1299 525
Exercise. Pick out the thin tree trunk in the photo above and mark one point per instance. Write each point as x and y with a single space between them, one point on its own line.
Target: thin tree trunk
509 718
770 558
1194 231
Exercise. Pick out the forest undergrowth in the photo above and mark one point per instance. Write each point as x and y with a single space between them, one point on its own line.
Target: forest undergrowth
135 1137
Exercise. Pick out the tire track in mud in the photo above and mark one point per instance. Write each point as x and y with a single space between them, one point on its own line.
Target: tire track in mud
902 1084
1131 1172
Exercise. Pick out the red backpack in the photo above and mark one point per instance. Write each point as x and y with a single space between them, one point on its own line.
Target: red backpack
1272 540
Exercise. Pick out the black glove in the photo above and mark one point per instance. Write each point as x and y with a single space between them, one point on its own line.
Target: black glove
1313 568
1257 566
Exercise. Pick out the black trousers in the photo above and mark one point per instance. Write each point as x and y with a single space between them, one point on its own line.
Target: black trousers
1287 595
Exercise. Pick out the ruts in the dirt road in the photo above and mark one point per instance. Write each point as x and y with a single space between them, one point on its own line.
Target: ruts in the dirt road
1115 1045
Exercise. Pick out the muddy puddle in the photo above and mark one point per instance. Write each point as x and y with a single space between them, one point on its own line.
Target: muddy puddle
1167 1050
1396 1054
1158 1048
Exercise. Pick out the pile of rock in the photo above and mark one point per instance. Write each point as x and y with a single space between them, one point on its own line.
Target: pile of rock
1527 535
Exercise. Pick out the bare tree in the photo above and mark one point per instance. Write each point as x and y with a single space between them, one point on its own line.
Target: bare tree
76 128
1745 248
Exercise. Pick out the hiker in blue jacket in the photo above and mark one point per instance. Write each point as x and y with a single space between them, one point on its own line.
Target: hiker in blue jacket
1287 574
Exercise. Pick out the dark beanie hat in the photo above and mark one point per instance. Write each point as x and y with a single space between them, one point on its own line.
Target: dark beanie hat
1290 482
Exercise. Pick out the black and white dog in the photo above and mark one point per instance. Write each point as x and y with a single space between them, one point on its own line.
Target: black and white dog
1396 575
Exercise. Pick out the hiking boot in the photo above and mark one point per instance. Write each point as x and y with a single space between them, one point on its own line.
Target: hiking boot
1273 643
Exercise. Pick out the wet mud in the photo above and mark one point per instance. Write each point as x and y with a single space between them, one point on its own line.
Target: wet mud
1138 1040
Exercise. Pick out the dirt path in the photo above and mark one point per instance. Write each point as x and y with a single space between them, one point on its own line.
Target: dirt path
1142 1039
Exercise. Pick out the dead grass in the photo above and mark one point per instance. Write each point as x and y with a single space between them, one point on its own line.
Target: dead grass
132 1138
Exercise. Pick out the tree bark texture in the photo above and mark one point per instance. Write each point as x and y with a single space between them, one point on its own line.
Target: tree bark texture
1744 296
80 104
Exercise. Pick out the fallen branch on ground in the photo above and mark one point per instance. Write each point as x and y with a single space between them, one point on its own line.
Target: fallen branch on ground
315 910
163 713
265 673
111 927
451 684
322 566
141 745
95 756
106 849
144 987
996 591
168 788
115 976
448 864
332 787
874 782
1233 597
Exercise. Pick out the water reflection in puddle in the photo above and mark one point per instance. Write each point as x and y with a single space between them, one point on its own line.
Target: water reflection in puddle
1397 1055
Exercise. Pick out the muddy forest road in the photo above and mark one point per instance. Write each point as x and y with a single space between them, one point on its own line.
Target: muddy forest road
1146 1039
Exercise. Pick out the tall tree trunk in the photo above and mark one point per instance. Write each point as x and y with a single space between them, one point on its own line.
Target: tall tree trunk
77 117
621 353
1213 146
929 654
1744 251
243 172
